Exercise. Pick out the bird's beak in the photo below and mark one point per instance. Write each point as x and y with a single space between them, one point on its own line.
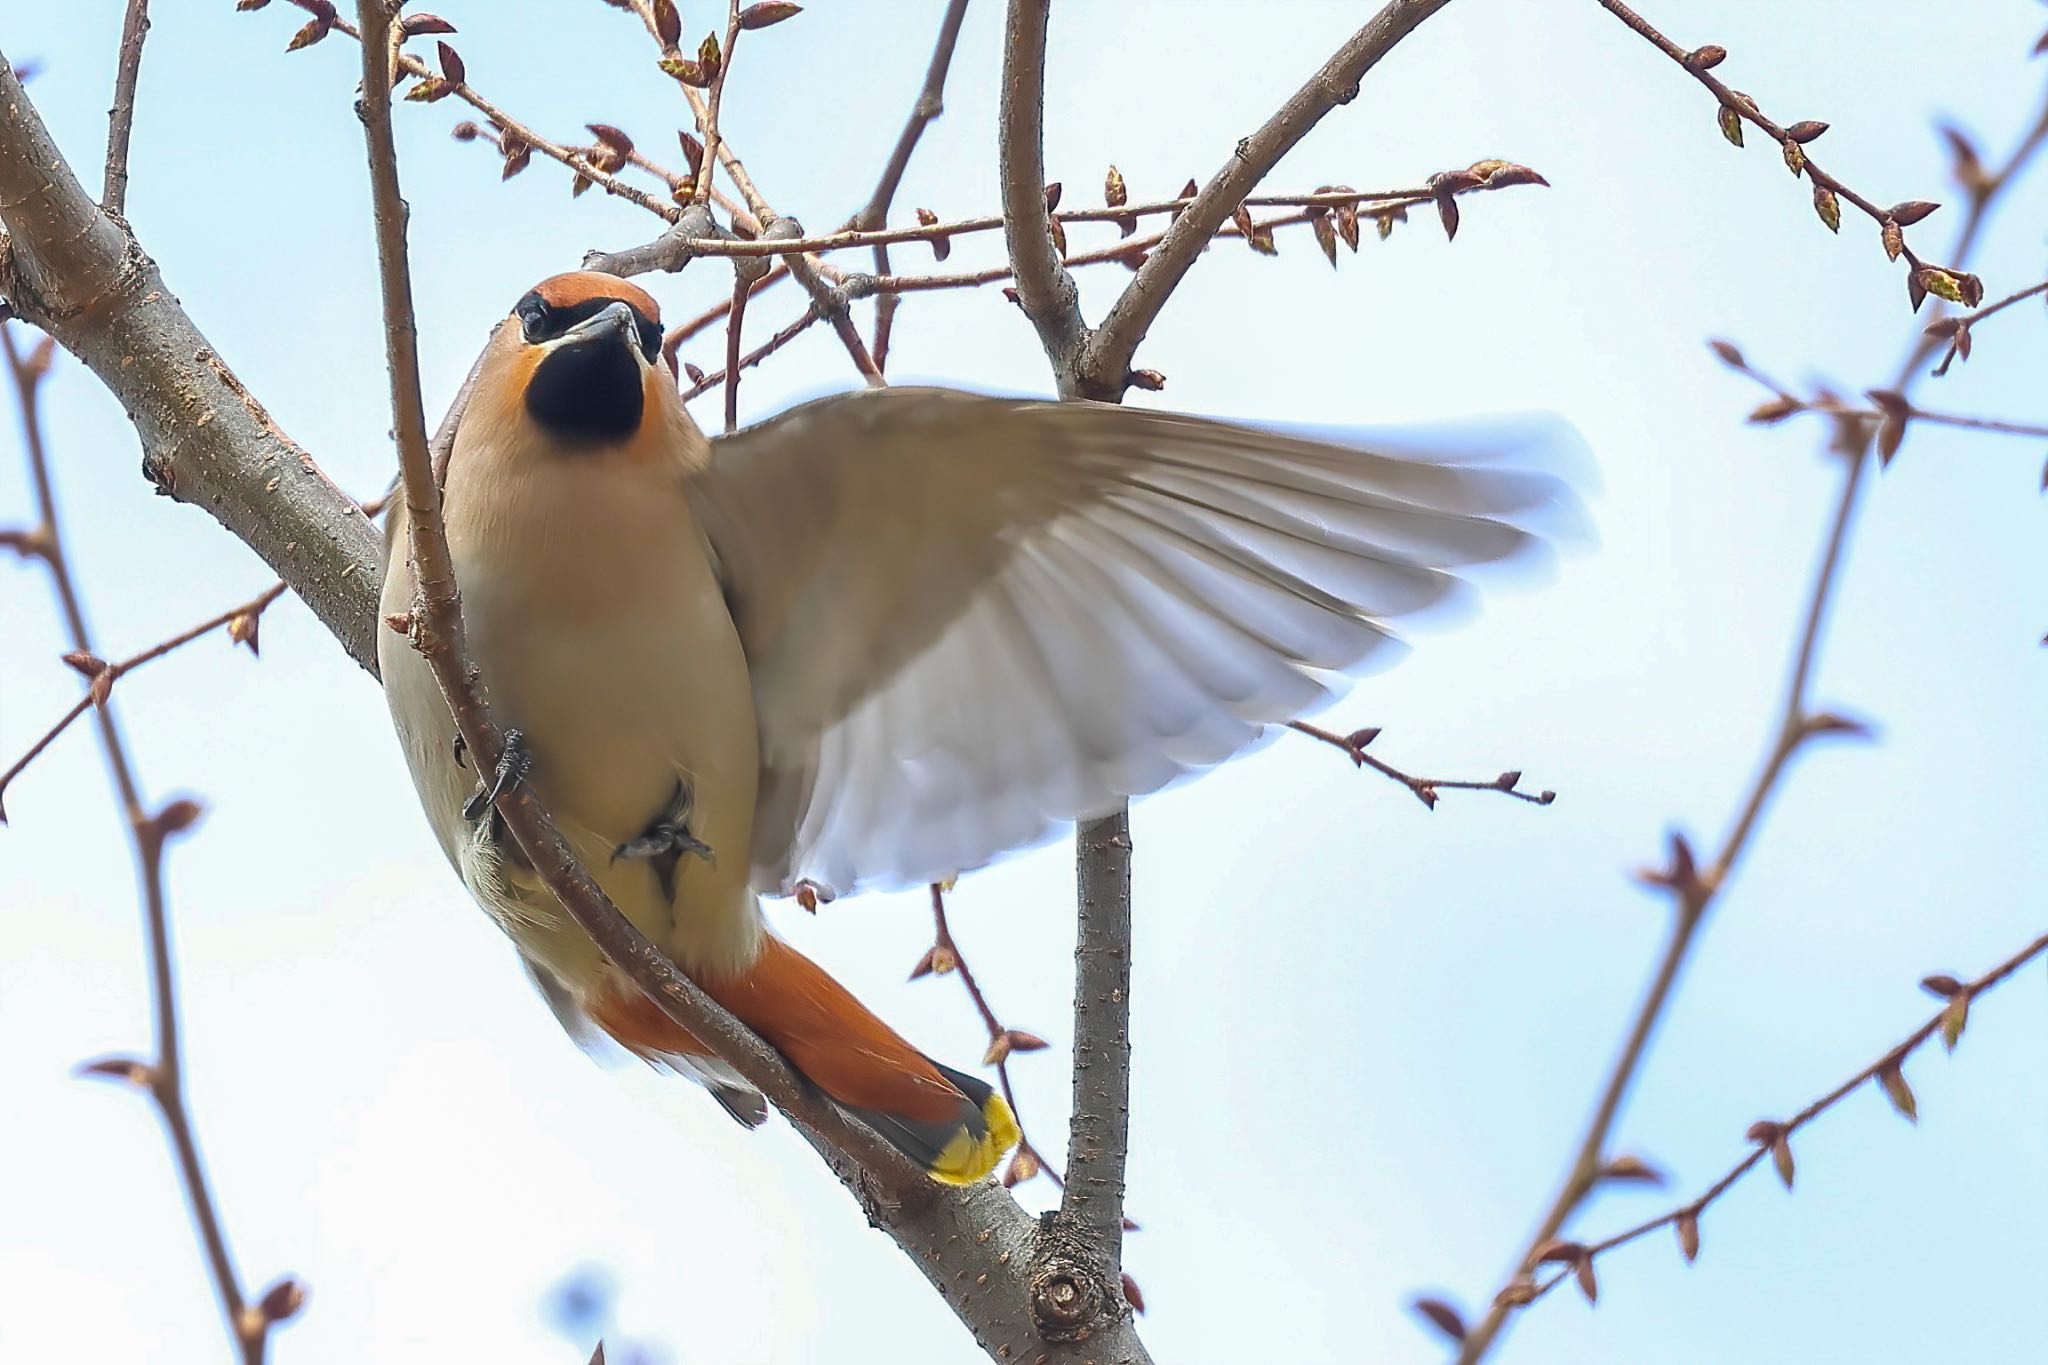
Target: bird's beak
614 324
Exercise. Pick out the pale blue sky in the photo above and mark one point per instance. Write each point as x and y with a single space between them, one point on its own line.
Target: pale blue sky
1367 1034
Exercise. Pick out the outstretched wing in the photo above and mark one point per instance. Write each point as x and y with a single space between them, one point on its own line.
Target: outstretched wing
971 618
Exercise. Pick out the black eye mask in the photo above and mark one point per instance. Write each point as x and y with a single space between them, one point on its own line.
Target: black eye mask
540 320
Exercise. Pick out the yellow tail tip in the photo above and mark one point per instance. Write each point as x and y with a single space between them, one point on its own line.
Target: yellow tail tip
967 1160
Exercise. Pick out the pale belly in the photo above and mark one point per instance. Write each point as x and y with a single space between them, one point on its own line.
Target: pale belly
602 637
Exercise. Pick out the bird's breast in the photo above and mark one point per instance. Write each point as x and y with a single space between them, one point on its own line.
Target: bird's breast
602 635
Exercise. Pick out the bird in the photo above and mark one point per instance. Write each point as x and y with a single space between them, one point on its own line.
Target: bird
877 640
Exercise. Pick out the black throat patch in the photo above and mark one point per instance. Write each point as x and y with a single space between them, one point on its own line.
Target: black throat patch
588 392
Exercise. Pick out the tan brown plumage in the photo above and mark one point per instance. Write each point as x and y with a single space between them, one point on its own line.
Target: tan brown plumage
878 640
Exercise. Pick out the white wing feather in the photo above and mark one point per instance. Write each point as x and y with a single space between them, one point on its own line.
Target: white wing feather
969 619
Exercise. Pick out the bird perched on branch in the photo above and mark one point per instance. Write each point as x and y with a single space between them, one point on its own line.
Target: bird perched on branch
877 640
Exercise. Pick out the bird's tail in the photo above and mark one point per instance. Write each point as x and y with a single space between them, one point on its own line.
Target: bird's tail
954 1126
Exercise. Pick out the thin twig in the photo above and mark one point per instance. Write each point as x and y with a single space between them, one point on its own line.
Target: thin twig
1425 789
81 275
852 237
1104 367
121 117
929 105
1771 1137
736 318
707 122
241 623
1738 108
571 157
770 225
1694 889
1956 328
163 1078
944 956
706 383
438 634
976 1235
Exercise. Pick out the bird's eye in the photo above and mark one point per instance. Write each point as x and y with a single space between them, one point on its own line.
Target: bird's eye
650 337
537 321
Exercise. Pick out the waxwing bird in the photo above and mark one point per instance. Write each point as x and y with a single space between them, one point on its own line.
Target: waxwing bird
875 641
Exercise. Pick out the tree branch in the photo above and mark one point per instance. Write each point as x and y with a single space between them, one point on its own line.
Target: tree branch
973 1244
930 104
1694 889
1772 1137
1738 108
163 1078
1424 789
944 957
1103 368
1044 289
240 621
121 118
68 268
1093 1201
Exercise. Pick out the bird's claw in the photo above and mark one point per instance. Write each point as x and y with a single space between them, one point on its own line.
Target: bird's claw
667 840
513 766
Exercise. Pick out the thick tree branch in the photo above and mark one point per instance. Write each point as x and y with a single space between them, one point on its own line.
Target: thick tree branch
1100 1135
1103 367
77 274
1078 1269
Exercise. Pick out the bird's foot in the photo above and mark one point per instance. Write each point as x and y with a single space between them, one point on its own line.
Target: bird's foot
513 766
666 840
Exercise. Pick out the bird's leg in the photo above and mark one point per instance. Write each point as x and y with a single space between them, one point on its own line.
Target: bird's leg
666 839
513 766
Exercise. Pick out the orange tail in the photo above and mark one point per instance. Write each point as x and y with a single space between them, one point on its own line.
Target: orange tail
953 1125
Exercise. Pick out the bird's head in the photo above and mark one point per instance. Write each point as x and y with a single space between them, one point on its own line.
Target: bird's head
577 369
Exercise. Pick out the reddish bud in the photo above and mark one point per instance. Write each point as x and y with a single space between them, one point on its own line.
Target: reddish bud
1774 410
1687 1226
1633 1169
768 12
1891 1078
312 33
668 24
178 816
1442 1316
282 1300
